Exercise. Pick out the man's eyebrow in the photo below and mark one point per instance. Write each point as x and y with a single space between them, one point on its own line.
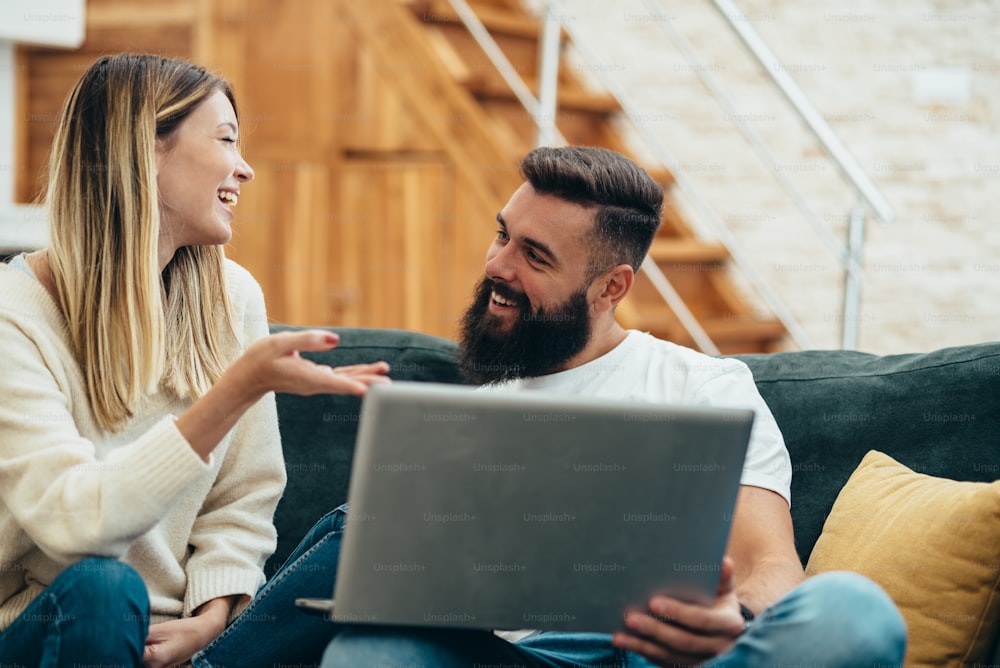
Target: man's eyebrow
531 243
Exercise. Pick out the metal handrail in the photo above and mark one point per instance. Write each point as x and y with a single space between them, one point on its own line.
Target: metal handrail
548 79
703 72
506 69
685 186
848 165
719 229
849 168
677 305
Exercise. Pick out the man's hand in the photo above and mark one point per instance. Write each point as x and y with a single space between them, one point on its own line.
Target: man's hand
673 632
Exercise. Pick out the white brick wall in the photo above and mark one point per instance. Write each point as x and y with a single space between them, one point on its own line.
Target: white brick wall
933 275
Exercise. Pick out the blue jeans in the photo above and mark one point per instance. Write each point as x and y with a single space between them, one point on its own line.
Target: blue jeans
272 631
835 620
95 612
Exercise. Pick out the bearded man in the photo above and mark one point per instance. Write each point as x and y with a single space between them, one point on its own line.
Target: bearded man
567 247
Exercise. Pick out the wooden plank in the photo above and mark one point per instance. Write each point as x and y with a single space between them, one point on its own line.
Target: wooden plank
395 215
25 180
449 114
497 20
568 99
688 251
47 75
252 245
346 252
153 12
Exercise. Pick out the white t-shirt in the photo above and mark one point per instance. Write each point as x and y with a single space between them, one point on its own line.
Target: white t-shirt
644 368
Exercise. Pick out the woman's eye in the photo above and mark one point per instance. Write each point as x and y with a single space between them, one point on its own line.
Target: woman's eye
231 140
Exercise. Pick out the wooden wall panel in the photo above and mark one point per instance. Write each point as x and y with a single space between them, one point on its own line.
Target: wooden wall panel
392 243
377 179
51 74
280 234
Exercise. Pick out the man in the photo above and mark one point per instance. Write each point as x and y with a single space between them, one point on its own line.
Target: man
568 245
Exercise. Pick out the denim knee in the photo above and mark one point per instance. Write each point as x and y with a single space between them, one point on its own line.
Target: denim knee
857 608
108 589
405 646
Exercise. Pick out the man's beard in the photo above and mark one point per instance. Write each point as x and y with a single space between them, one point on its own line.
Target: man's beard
536 344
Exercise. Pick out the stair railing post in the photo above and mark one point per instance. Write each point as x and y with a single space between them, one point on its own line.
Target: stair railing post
502 64
550 47
852 280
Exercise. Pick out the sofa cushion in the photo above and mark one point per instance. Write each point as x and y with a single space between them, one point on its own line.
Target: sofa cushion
318 432
932 544
936 413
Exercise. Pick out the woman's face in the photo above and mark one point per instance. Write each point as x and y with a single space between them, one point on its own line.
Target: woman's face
199 173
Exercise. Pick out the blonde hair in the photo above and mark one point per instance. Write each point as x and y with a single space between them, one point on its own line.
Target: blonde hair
131 328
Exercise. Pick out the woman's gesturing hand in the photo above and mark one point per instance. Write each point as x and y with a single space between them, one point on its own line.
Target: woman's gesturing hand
274 364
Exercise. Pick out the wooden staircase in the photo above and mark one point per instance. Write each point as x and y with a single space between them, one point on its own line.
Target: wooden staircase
384 143
697 269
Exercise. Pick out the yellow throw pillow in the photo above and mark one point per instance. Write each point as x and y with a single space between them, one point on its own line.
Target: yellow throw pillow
933 544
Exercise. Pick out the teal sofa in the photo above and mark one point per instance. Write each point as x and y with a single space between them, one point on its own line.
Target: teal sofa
937 413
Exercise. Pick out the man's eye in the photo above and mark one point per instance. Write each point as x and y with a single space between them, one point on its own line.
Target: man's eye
501 234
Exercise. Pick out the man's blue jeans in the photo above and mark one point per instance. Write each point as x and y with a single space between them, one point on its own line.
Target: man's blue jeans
272 631
832 620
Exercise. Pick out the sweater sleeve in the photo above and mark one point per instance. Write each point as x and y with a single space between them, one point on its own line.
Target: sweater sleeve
234 533
67 501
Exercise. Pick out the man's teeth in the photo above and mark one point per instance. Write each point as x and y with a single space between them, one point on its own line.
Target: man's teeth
501 301
228 197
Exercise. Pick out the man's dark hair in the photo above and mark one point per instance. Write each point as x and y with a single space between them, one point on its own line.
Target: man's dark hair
627 199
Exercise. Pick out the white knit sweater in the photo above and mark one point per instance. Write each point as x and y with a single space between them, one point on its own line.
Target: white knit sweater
68 489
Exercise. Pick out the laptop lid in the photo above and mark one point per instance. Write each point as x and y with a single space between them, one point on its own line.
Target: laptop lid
480 509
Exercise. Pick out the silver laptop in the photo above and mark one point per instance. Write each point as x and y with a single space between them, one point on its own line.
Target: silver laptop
502 510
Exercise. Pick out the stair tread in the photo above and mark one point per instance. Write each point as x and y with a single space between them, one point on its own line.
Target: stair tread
721 329
742 328
661 175
687 250
497 20
574 99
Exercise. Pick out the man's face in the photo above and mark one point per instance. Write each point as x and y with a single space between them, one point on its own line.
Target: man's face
531 313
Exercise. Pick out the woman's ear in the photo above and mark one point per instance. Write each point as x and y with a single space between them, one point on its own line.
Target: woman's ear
161 149
611 287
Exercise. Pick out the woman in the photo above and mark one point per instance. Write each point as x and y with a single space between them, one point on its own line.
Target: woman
140 463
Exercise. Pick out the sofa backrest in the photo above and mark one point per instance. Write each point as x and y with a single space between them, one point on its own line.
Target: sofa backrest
938 413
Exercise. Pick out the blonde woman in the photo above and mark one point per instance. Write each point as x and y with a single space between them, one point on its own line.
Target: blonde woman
140 461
